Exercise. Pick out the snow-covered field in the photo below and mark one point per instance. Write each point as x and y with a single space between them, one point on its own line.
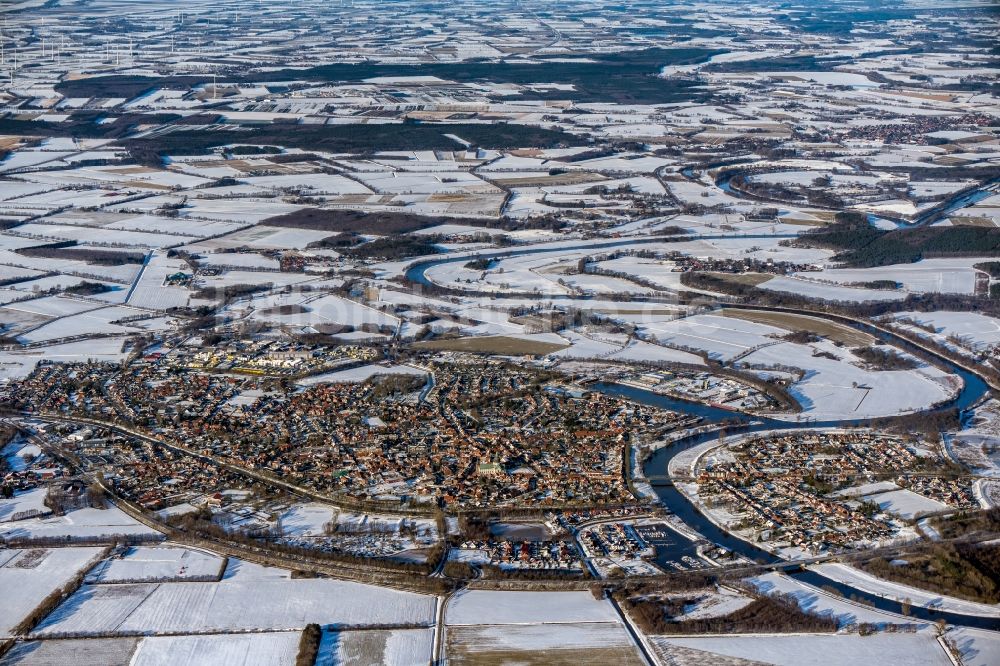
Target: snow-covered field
306 519
262 649
94 322
815 600
975 331
978 647
19 363
495 607
135 239
948 276
82 523
151 292
863 581
839 387
722 337
264 238
28 501
393 647
907 504
715 603
814 649
620 348
233 605
360 374
28 576
829 292
79 651
315 310
160 564
657 271
310 519
538 637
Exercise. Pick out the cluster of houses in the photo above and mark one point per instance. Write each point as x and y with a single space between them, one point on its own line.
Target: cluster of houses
271 357
615 539
556 555
684 263
488 434
957 493
781 486
408 545
703 387
780 511
914 130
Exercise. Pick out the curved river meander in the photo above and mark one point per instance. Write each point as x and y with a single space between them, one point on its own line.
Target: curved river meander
973 389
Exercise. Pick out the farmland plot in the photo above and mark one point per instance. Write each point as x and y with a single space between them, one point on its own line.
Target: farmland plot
150 291
497 344
52 306
72 196
722 337
18 273
659 272
977 646
81 524
101 236
239 260
264 649
237 277
92 323
588 644
809 650
359 374
315 183
158 564
830 292
233 605
938 275
266 238
393 182
840 387
115 295
241 212
19 363
175 225
814 600
28 576
975 331
397 647
23 501
478 607
45 265
79 652
312 310
906 504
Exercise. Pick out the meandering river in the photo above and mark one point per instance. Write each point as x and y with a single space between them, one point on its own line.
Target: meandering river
973 389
